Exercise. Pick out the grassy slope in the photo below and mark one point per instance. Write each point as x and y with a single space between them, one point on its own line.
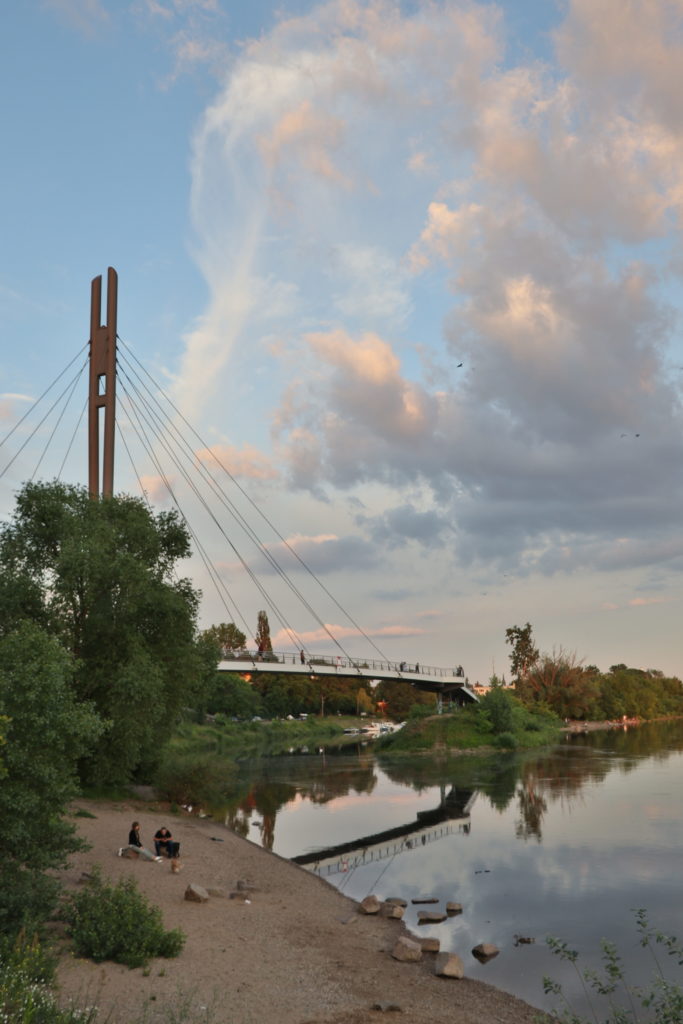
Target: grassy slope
468 729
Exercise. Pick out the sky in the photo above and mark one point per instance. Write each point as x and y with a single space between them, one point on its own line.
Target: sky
412 270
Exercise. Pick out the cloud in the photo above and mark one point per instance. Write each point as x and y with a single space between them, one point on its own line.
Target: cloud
246 462
156 488
282 639
398 176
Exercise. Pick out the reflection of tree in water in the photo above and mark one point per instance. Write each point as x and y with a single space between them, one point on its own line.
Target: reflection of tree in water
532 807
307 777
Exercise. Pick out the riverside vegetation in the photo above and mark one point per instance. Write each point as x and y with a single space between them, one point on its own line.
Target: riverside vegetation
105 681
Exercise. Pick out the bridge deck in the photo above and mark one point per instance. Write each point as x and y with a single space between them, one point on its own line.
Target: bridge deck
427 677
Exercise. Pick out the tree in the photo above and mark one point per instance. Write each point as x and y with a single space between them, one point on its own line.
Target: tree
47 730
227 636
100 576
560 682
524 655
263 641
231 695
497 705
400 698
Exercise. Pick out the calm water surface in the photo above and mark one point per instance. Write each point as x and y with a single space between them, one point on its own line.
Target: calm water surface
564 842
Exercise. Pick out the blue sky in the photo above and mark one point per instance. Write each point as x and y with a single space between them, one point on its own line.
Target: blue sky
318 211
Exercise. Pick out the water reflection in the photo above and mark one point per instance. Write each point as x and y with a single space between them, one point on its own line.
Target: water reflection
562 841
319 779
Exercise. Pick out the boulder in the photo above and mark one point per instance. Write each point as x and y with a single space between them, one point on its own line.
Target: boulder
396 901
130 853
430 945
425 899
407 950
370 905
430 917
485 951
196 893
392 910
453 908
449 965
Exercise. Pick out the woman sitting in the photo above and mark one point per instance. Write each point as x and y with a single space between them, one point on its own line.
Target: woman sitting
135 843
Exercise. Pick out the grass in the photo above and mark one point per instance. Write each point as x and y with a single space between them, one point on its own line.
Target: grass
469 729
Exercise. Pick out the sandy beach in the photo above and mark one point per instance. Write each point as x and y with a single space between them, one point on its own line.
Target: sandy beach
298 952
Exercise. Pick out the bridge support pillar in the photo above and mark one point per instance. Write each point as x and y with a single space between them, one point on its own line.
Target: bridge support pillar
102 391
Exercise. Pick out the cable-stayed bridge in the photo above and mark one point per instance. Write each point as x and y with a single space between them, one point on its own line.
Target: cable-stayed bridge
126 405
450 683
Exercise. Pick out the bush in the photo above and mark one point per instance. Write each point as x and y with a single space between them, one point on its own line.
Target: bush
662 1002
418 711
506 741
25 971
115 922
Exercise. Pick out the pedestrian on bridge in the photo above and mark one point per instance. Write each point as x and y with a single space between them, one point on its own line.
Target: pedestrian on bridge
302 657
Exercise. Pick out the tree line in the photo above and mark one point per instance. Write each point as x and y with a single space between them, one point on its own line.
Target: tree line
560 682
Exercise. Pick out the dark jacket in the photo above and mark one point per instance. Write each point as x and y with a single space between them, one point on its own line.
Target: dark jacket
134 838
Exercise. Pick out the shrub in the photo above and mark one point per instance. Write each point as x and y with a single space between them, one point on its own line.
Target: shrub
115 922
418 711
663 1002
25 998
506 741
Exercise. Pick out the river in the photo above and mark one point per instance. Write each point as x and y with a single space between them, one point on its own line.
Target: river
563 842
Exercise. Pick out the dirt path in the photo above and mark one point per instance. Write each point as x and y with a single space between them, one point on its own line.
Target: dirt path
298 953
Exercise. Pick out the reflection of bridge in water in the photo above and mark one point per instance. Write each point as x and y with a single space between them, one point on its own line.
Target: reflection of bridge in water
450 817
450 683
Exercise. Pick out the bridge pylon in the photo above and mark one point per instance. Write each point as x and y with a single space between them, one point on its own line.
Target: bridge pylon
102 389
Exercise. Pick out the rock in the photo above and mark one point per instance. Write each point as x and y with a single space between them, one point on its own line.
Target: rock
430 945
425 899
396 901
449 965
407 950
370 905
485 951
130 853
196 893
242 885
524 940
454 908
430 917
392 910
387 1007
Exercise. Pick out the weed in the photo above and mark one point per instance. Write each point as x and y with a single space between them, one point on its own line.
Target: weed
661 1002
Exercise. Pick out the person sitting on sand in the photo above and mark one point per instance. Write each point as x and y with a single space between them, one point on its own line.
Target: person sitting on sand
135 843
163 842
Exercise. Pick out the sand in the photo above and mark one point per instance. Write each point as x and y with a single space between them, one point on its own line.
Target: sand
299 952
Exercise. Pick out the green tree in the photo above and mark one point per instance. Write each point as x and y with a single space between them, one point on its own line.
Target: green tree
400 698
497 706
47 731
263 641
231 695
100 575
227 636
524 654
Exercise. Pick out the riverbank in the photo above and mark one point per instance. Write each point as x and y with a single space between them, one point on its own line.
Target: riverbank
298 952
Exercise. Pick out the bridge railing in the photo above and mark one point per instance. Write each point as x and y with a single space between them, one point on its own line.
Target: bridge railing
312 661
